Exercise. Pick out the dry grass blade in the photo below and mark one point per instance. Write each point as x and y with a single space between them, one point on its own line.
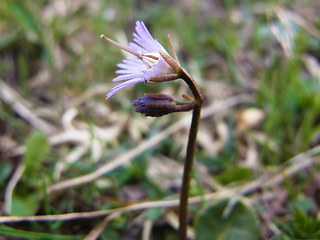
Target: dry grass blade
95 233
173 220
21 107
284 33
101 213
295 164
92 91
83 136
308 26
147 227
10 187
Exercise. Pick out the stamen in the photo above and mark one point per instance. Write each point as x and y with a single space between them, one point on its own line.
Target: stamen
120 46
146 63
148 59
151 56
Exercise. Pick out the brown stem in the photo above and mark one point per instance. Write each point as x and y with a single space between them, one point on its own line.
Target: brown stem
187 171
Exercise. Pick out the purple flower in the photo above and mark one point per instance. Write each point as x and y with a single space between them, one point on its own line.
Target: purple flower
147 62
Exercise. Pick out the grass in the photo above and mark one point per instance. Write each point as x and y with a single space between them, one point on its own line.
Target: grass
56 67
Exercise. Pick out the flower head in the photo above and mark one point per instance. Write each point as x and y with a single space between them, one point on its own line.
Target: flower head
150 61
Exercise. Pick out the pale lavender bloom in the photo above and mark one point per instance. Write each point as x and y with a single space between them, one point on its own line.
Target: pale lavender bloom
146 62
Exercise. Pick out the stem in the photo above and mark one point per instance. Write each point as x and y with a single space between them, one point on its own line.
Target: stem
192 85
187 171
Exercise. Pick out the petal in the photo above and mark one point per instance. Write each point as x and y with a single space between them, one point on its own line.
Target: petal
124 71
137 48
142 30
144 40
123 85
144 45
127 77
135 65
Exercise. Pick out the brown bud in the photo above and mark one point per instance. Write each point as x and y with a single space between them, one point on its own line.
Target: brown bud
157 105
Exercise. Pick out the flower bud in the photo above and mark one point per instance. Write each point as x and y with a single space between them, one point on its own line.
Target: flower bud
157 105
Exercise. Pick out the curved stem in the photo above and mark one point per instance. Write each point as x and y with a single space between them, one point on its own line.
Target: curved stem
192 85
187 171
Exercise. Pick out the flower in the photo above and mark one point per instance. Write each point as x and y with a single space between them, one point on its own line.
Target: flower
150 61
157 105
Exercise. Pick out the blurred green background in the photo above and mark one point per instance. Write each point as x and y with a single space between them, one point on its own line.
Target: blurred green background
55 124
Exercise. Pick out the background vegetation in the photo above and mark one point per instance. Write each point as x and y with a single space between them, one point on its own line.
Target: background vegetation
256 175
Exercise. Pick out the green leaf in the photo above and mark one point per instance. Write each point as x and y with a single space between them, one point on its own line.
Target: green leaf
8 39
155 213
5 170
37 148
9 231
241 224
24 16
28 193
153 191
109 233
235 175
24 206
304 204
